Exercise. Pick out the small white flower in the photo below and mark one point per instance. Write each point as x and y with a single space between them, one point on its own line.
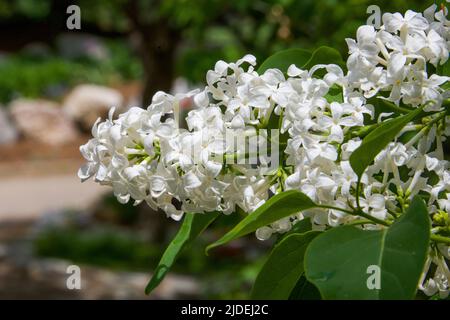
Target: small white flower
411 22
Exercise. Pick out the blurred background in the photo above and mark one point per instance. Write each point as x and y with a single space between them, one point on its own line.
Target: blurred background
55 82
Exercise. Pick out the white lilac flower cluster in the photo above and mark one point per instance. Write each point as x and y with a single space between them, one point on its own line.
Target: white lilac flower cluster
145 154
394 59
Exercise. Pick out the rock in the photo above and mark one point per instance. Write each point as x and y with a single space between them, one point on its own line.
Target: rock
79 45
88 102
8 133
51 275
43 121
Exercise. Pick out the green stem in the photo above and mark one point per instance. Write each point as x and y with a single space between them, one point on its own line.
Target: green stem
440 117
394 107
336 208
265 121
358 222
357 213
438 238
369 217
364 131
235 156
425 129
280 121
358 187
392 213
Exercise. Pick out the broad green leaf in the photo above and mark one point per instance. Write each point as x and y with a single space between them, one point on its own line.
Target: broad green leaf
304 290
301 226
382 106
279 206
335 94
377 140
283 59
283 268
324 55
303 59
339 261
444 69
275 123
446 72
193 225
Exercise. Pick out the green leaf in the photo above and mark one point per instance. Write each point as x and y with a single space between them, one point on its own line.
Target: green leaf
445 69
335 94
324 55
283 268
377 140
446 72
275 123
304 290
283 59
303 59
301 226
383 106
279 206
337 261
193 225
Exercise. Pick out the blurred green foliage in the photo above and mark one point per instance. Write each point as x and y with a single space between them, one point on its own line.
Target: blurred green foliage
113 237
221 29
101 247
30 9
209 30
265 27
116 249
33 76
24 77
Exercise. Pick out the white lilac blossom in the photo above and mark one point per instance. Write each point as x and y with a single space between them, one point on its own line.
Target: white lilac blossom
145 155
394 59
146 158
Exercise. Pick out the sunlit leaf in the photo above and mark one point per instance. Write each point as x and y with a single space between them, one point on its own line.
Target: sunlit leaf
279 206
343 263
283 268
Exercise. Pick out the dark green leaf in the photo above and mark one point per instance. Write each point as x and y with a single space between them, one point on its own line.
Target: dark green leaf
324 55
444 69
377 140
193 225
279 206
304 290
301 226
275 123
337 261
283 59
283 268
381 106
335 94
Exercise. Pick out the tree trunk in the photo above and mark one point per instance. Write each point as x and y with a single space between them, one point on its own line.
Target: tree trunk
157 52
157 42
